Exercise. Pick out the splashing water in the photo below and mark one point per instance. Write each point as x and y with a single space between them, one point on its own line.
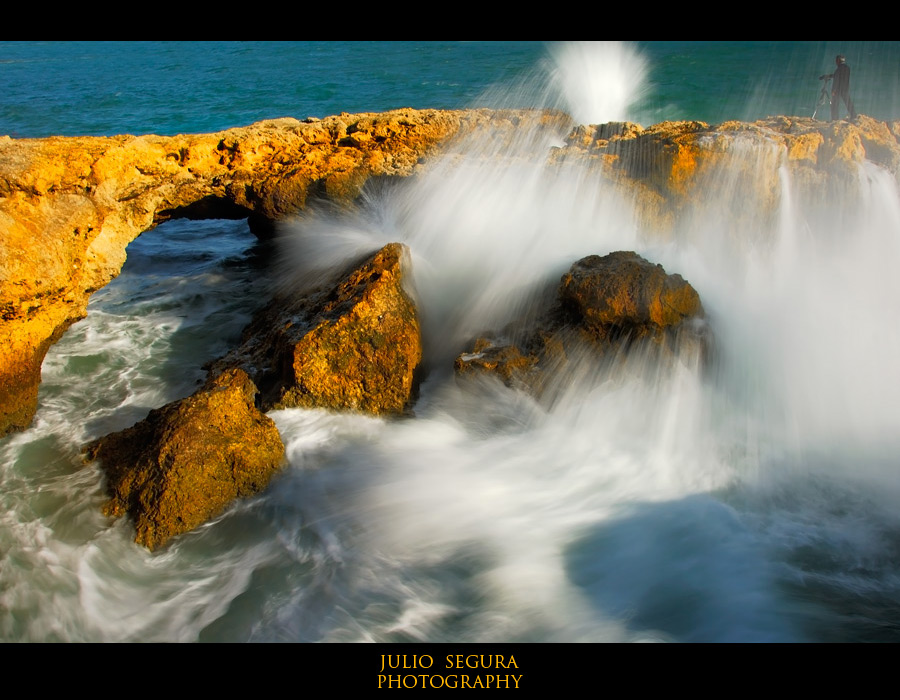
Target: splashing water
795 303
598 81
750 501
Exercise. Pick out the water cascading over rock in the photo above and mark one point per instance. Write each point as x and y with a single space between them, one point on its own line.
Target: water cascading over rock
607 304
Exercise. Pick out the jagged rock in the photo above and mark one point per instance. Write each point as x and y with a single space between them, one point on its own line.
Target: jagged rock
354 345
506 361
607 304
672 169
185 462
670 156
623 292
69 206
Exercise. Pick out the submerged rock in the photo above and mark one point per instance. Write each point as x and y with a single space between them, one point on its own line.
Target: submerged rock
353 345
185 462
606 305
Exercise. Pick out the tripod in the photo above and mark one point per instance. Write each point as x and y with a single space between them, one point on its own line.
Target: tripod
824 96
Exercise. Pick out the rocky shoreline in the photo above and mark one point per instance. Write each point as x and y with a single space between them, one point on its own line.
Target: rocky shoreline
70 206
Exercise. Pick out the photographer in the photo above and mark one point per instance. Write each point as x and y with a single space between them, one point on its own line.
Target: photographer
840 87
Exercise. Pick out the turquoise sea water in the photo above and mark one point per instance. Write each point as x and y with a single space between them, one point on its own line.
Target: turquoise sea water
105 88
754 503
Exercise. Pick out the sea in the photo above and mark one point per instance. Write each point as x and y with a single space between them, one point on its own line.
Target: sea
750 498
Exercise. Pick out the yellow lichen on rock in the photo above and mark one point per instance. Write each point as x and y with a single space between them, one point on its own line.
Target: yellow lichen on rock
684 167
805 147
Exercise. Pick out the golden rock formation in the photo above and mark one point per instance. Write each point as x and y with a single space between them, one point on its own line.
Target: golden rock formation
624 290
352 345
186 461
605 305
69 206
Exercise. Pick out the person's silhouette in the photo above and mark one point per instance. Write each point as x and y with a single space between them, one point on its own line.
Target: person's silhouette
840 88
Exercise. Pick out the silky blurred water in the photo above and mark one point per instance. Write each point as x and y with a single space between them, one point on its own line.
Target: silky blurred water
751 500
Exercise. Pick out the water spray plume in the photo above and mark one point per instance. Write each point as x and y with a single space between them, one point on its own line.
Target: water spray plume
597 81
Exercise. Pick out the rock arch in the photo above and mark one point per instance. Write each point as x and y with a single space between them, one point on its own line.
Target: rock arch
69 206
